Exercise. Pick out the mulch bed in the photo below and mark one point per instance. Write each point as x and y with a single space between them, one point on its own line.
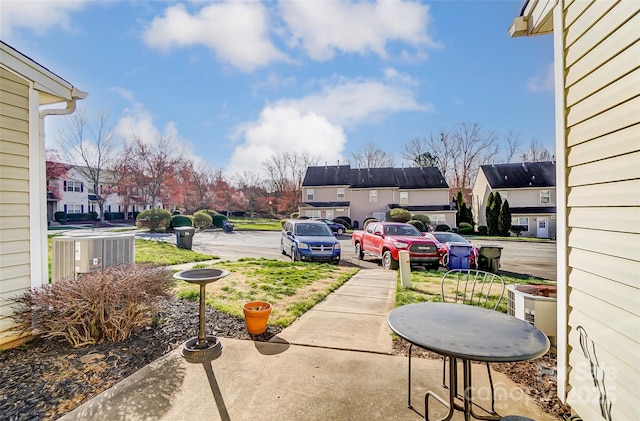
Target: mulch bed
46 378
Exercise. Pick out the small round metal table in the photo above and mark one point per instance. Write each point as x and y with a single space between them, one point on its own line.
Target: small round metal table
467 333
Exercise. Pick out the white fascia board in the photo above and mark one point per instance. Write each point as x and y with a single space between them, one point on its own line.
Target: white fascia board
44 81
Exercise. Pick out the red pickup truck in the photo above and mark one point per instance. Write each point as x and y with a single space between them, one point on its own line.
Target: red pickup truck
383 240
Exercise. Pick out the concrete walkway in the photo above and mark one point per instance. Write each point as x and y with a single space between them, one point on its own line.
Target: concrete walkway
334 363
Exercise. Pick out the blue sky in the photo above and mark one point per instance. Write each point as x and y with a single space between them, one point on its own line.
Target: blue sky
237 82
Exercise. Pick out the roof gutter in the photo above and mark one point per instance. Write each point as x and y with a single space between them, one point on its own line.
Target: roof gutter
76 95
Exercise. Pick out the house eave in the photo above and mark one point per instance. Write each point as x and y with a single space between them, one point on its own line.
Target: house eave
536 18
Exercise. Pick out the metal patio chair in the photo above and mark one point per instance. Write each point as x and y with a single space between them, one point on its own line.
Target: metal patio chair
477 288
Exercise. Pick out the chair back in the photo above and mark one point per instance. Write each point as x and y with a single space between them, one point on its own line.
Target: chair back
472 287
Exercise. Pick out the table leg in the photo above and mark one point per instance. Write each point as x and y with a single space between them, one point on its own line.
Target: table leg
453 380
468 397
409 380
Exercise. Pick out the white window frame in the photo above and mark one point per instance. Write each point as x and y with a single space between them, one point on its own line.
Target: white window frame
373 196
518 221
340 193
310 194
404 197
545 197
74 186
313 213
74 208
437 219
380 216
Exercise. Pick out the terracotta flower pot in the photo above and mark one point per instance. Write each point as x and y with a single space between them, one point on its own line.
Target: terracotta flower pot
256 315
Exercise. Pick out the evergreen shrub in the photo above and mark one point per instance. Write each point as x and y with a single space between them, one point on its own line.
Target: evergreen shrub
465 228
418 224
443 228
399 215
181 221
157 220
202 220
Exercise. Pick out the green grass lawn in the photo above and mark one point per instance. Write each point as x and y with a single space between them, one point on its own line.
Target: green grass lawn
292 288
245 224
426 286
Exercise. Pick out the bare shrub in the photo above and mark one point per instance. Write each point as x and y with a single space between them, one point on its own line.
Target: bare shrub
108 305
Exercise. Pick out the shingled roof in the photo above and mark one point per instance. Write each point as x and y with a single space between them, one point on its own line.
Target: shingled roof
526 174
419 178
332 175
357 178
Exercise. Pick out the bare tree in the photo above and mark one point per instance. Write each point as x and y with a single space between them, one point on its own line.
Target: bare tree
536 153
418 153
90 144
251 183
285 173
473 147
513 142
457 152
370 155
152 164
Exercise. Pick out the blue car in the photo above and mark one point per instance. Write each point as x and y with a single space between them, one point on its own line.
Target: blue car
336 227
309 240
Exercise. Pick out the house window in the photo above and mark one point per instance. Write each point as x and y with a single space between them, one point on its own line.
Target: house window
310 193
73 186
380 216
437 219
404 197
74 208
545 197
373 196
340 191
313 213
524 222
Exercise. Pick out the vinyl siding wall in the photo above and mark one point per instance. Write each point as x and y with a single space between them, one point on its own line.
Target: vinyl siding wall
15 265
601 82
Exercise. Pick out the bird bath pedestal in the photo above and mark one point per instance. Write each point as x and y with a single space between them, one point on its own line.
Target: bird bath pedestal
203 348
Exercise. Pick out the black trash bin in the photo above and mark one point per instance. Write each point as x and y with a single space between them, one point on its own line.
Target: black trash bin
184 237
489 258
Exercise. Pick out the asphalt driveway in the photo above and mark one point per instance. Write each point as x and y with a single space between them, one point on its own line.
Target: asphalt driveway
524 258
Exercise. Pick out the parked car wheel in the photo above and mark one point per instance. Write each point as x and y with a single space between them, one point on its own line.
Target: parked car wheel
294 255
388 261
340 231
359 253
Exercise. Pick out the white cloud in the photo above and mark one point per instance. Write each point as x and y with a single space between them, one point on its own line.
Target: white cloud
138 121
37 16
316 123
238 32
324 28
543 81
285 129
352 102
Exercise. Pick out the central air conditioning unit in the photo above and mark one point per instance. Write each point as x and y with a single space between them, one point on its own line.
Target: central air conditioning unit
72 256
536 304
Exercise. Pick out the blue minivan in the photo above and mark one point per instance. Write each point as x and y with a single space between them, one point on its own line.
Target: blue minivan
309 240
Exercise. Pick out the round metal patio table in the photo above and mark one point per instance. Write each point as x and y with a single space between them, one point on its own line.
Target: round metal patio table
467 333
